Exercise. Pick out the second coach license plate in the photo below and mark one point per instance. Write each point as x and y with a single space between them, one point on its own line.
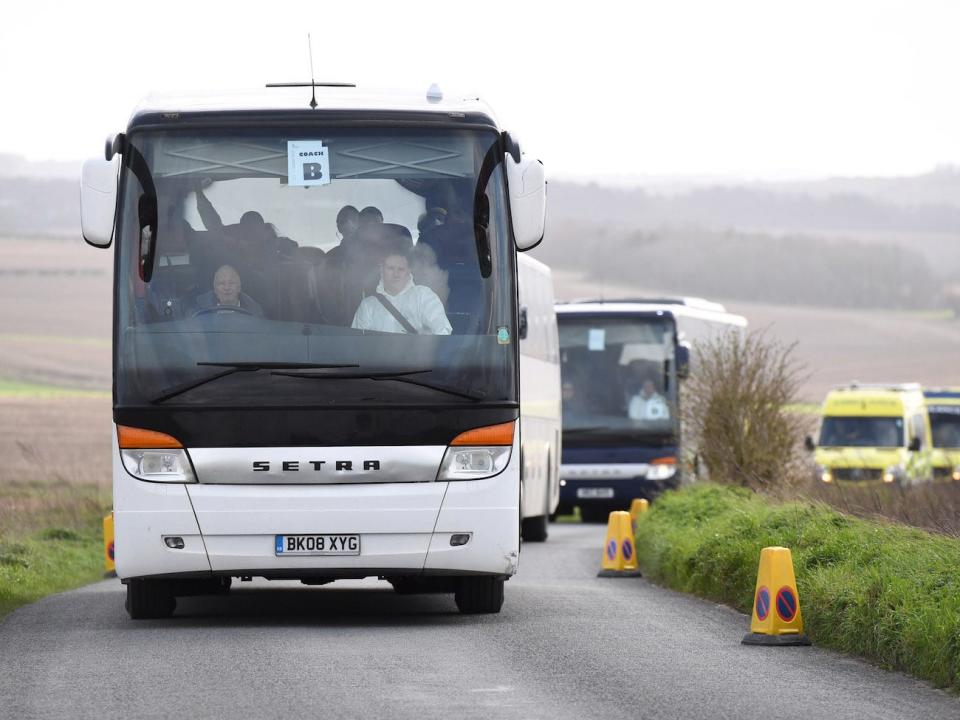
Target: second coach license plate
318 544
595 493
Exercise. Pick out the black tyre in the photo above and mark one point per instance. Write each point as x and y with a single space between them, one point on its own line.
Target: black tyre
535 529
150 599
594 513
479 594
405 585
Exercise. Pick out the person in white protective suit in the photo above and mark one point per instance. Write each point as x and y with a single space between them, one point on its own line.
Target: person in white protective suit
648 404
399 305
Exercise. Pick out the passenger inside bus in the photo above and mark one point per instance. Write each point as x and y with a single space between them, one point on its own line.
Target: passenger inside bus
574 400
370 215
446 231
399 305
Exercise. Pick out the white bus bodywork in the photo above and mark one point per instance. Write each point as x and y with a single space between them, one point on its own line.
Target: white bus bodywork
540 408
222 518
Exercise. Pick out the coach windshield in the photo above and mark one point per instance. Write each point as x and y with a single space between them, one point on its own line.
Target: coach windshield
313 267
619 378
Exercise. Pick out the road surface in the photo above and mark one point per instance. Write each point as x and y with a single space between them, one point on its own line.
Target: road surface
567 645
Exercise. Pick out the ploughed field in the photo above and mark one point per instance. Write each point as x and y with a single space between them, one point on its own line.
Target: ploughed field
55 328
55 318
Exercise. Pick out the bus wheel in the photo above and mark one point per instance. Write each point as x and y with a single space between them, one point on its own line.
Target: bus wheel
479 594
594 513
150 599
405 585
535 529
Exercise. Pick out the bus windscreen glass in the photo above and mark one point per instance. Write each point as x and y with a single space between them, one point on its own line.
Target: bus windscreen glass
619 378
313 267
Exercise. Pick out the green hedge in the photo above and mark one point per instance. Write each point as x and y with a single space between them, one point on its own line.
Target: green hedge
48 562
885 592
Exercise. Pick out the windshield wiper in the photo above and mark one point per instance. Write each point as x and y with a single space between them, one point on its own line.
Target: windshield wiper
371 375
236 367
647 436
395 375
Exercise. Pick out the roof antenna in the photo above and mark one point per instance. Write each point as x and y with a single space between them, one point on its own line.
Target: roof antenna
313 82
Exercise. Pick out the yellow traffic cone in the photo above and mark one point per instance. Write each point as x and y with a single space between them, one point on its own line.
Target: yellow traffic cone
619 553
637 508
776 603
109 567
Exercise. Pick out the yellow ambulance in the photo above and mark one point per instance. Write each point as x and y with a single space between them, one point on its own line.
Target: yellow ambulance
873 434
943 411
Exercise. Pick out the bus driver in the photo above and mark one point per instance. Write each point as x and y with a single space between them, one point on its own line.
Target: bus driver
227 294
399 305
648 404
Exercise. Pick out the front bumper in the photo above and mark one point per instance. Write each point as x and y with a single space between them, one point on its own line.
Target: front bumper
609 485
405 528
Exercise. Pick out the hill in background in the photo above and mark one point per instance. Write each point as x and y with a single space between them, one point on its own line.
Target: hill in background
857 243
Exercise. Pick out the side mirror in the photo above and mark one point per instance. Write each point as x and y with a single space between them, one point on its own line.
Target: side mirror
528 201
98 200
914 445
683 361
809 444
522 324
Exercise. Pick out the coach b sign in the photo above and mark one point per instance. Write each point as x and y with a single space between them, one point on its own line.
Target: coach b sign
308 163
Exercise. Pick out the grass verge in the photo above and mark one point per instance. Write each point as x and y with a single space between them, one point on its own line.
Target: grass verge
882 591
48 562
50 539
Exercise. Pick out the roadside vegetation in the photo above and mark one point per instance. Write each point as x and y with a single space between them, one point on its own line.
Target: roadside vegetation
54 492
50 539
735 411
743 425
886 592
869 584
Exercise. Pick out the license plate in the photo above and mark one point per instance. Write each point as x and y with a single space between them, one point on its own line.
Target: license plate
317 545
605 493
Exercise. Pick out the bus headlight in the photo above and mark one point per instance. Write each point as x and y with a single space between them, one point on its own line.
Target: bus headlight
473 463
479 453
153 456
161 465
824 474
956 473
661 471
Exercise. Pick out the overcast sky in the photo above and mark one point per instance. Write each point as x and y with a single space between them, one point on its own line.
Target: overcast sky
730 88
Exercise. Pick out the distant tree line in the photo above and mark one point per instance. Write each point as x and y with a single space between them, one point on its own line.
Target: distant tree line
753 207
758 267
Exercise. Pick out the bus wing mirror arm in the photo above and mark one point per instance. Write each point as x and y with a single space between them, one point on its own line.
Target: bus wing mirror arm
683 361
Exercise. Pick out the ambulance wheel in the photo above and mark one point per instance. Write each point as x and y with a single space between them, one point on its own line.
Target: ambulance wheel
535 529
150 599
479 594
